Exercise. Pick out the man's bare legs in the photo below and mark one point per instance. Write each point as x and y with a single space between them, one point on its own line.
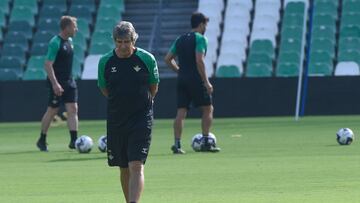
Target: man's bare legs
178 126
132 181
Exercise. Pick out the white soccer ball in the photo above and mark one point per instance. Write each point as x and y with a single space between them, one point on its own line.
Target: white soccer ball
102 143
345 136
84 144
198 141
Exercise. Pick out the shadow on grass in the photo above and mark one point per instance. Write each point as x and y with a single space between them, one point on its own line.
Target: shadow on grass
20 152
77 159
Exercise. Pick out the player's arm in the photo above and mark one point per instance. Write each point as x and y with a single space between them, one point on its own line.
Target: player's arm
153 90
170 61
105 92
200 50
170 57
200 64
101 76
58 90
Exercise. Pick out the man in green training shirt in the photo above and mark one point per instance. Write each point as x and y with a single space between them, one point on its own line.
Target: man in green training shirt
193 86
128 77
62 86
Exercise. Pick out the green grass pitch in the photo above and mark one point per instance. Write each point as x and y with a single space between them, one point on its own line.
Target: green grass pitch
263 160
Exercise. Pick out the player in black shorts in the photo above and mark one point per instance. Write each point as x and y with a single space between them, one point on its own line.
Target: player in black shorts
193 86
62 87
128 77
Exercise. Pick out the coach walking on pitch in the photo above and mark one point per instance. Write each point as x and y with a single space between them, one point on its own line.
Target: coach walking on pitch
128 77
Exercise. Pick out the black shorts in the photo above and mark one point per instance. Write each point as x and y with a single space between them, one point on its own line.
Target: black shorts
70 95
192 93
130 141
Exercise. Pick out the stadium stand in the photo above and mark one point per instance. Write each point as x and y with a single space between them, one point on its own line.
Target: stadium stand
291 50
214 10
263 39
268 41
349 38
234 36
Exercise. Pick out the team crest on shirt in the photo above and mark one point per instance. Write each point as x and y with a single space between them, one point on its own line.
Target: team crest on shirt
65 47
113 69
136 68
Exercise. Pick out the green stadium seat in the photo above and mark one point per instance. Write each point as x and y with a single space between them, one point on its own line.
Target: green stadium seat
350 19
320 69
230 71
263 46
351 7
329 8
76 68
14 51
34 74
258 70
295 7
99 48
8 74
335 2
289 57
11 63
17 38
259 58
290 45
321 57
49 25
31 4
292 32
81 12
349 55
102 37
287 69
323 45
21 26
293 19
42 37
108 11
83 28
349 44
22 14
60 4
39 49
323 32
349 31
36 62
2 20
79 53
324 20
90 4
80 40
4 7
51 12
105 24
119 4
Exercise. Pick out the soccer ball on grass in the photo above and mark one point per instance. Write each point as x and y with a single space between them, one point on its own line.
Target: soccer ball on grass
102 143
84 144
198 141
345 136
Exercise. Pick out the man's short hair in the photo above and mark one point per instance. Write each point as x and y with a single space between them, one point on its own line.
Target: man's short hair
66 21
125 29
197 18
